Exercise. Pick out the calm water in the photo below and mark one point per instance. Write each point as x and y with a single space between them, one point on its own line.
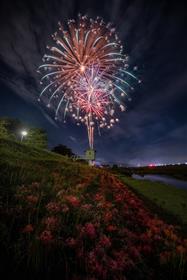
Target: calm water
164 179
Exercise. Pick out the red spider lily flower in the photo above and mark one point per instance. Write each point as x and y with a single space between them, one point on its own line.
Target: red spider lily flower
65 208
105 241
114 211
89 229
32 199
145 236
98 197
73 200
133 203
100 251
53 207
155 230
107 204
119 198
146 249
100 271
123 260
71 242
173 237
28 228
51 223
111 228
95 266
92 259
157 237
46 236
107 217
86 206
112 264
134 252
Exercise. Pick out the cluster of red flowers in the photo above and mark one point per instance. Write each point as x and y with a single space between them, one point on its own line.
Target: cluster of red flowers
106 230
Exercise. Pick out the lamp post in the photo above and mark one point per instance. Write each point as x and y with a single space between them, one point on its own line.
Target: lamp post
23 134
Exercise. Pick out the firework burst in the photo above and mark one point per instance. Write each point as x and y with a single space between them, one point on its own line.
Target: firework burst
85 73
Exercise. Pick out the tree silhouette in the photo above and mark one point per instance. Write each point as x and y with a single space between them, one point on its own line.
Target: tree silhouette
63 150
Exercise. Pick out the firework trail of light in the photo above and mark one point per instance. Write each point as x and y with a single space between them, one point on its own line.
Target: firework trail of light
86 74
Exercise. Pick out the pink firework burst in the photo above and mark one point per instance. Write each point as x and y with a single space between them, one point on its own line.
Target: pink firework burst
85 73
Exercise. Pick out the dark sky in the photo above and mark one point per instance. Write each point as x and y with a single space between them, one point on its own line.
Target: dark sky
154 34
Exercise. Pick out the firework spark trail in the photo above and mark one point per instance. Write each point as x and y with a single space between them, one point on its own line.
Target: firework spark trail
84 73
92 96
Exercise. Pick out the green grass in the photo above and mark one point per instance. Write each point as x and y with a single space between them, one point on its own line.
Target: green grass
11 150
168 199
22 164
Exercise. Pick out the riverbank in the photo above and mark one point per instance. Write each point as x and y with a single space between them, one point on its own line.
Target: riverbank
178 171
168 201
168 180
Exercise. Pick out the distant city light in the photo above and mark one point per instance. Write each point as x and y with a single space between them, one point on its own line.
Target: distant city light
151 165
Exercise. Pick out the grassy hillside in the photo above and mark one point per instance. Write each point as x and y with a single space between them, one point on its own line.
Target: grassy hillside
14 153
60 217
20 163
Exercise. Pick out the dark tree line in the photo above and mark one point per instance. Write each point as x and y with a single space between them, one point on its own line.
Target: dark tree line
12 128
63 150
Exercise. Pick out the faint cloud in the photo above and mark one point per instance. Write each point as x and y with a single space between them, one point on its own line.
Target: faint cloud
73 138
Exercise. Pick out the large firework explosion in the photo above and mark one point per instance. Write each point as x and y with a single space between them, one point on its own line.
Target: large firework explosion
86 73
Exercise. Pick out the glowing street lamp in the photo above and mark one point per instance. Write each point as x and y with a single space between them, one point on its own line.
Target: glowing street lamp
23 134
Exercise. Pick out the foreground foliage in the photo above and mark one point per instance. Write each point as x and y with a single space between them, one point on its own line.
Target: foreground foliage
82 223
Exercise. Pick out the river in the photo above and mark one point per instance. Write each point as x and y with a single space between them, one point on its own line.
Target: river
164 179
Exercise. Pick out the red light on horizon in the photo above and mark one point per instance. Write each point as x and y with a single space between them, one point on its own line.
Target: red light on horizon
151 165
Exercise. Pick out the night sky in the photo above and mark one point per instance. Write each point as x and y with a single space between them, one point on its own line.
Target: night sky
154 35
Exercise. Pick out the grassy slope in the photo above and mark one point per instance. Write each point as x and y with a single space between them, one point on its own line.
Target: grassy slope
58 177
168 198
21 164
11 150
